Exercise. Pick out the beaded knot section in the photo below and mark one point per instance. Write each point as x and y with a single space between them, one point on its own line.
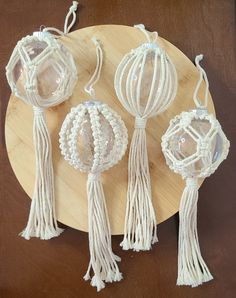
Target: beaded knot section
69 135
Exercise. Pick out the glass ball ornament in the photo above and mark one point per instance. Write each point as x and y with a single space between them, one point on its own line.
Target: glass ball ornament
93 137
41 71
194 144
146 80
146 84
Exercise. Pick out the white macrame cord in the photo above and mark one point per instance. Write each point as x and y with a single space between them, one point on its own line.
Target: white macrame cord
42 219
192 270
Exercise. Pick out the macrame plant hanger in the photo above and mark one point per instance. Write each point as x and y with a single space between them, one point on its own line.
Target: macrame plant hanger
42 73
194 145
102 135
146 84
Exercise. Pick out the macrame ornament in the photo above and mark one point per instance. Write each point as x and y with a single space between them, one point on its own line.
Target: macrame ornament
93 138
146 84
194 145
42 73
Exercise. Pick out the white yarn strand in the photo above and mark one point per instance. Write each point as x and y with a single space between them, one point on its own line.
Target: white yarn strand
102 259
140 225
192 270
42 222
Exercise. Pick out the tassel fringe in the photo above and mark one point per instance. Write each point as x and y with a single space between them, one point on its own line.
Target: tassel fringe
102 259
42 221
140 221
192 269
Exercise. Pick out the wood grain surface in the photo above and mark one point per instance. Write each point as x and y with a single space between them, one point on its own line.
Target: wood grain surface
70 185
55 268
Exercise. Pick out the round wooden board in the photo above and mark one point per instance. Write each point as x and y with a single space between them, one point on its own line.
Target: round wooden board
70 185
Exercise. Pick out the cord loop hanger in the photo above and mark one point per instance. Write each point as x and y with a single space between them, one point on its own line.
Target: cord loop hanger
67 27
97 73
203 75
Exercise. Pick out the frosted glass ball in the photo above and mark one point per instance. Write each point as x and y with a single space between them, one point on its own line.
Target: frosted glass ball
41 71
194 144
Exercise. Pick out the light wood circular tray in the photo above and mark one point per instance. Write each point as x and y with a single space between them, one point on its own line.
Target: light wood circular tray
70 185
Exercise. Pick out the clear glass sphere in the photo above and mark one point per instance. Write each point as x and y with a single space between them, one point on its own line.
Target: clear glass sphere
182 145
19 78
48 72
86 145
146 74
143 75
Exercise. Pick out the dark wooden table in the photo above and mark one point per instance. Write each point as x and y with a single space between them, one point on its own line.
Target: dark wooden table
55 268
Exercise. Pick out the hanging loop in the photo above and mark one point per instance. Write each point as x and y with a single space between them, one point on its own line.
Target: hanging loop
72 11
203 75
67 27
97 73
151 36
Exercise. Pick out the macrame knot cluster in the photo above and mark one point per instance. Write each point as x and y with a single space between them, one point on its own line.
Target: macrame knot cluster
140 123
192 182
204 147
38 111
74 6
94 177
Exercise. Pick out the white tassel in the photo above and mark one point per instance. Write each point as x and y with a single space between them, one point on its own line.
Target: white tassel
192 269
42 221
140 221
102 260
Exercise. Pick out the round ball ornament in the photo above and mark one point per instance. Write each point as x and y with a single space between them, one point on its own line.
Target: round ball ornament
194 146
42 72
145 84
94 138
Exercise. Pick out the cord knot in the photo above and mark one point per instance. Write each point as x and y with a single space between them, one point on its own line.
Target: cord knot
140 122
74 6
205 147
38 111
94 177
192 182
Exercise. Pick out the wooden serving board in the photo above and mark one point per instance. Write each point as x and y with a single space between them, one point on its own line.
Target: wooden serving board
70 185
